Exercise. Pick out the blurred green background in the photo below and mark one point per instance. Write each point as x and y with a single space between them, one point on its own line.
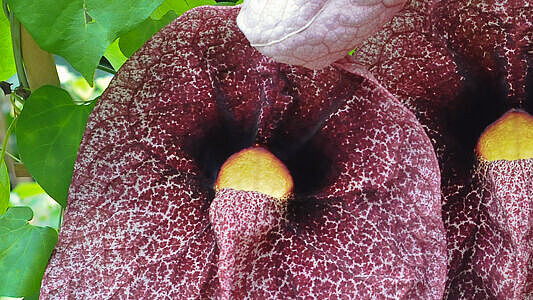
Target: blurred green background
26 192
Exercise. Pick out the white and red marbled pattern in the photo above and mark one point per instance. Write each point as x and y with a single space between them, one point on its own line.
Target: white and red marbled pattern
312 33
504 242
240 220
366 224
459 66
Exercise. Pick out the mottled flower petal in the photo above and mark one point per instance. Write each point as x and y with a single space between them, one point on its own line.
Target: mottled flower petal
459 66
364 219
498 260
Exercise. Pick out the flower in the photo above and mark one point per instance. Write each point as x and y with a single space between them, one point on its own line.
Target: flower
365 213
312 33
459 66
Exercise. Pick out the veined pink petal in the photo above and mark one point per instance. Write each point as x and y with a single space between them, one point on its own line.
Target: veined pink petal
312 33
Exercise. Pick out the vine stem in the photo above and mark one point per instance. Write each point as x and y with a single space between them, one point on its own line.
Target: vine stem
60 219
40 67
13 99
17 50
13 157
6 138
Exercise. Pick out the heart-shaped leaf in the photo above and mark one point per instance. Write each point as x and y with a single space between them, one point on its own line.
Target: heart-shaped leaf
49 132
24 252
82 29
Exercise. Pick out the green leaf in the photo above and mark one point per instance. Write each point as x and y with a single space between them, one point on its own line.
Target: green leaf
24 252
226 3
46 211
33 297
115 56
28 189
133 40
164 14
49 132
80 30
7 62
4 187
179 6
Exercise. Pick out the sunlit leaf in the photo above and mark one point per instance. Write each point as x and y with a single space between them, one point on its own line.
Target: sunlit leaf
80 30
133 40
179 6
49 133
114 55
7 63
28 189
24 252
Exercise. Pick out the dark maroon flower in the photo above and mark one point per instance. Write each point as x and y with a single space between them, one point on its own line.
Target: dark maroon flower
459 66
364 219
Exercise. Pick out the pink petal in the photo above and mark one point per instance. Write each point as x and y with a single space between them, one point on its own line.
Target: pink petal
312 33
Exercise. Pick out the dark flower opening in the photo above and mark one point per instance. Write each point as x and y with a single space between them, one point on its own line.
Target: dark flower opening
481 102
307 162
221 140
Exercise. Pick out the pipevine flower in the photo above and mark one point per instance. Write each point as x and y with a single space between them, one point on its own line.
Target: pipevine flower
145 219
